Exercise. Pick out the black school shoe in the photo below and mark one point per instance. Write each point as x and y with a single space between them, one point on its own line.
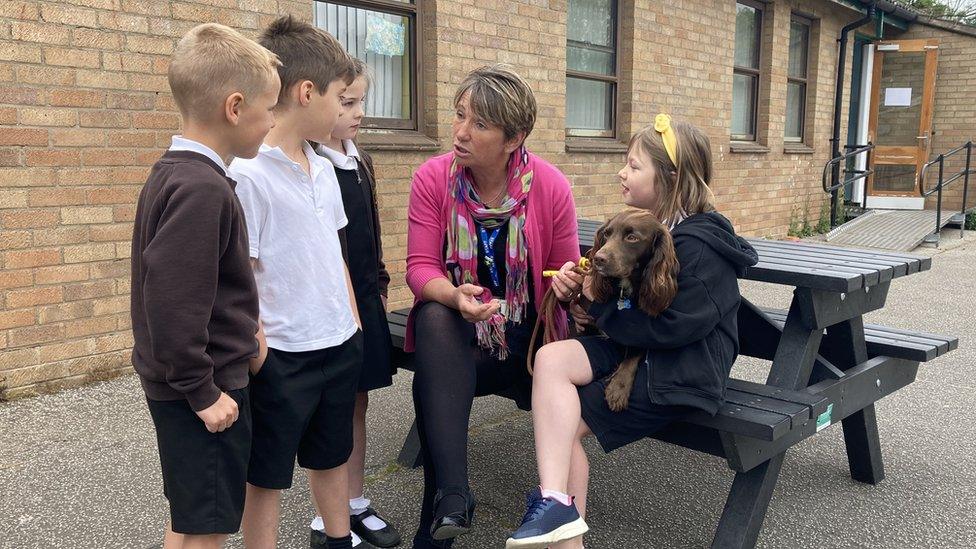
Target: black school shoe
384 537
317 540
456 523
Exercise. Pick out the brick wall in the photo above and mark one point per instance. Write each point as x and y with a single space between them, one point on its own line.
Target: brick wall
84 110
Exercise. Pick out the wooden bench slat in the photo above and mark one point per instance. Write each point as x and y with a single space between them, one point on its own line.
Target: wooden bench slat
745 421
923 263
872 277
888 269
885 341
798 413
899 266
804 277
816 403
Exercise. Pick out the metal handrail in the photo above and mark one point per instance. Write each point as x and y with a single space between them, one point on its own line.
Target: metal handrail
858 174
943 183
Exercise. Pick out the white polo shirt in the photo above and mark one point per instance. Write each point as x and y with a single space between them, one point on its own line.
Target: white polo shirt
292 224
342 160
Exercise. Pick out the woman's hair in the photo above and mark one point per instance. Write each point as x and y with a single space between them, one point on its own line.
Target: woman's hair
500 96
682 189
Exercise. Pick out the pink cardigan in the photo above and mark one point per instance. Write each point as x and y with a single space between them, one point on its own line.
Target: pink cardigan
550 228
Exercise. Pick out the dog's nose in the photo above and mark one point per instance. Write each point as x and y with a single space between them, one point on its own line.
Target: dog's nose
599 260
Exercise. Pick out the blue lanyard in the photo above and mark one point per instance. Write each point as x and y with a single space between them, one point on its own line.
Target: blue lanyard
488 244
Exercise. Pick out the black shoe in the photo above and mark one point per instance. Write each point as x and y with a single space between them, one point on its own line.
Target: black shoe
317 540
456 523
384 537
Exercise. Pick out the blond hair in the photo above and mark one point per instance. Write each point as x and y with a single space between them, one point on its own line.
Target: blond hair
211 62
500 96
682 189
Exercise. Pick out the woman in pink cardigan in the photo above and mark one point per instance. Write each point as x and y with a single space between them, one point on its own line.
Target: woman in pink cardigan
484 221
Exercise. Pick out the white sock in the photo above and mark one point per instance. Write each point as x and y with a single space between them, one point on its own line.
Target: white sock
356 540
317 524
565 499
360 505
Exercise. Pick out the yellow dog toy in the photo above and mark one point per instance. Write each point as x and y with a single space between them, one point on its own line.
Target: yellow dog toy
584 265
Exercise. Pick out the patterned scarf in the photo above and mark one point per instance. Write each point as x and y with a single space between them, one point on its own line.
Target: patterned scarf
462 242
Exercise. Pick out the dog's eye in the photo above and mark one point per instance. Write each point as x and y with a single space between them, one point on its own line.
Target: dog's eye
632 237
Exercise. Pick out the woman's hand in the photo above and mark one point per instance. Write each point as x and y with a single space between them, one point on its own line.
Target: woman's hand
567 283
472 310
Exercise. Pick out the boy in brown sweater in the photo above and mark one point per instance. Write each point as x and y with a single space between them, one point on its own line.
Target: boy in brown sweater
194 301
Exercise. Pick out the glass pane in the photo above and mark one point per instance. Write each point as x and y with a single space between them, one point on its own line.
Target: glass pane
743 104
589 106
795 92
382 41
591 22
799 44
894 178
900 110
747 19
588 60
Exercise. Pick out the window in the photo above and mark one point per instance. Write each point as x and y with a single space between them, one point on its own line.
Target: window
591 68
745 72
383 33
796 81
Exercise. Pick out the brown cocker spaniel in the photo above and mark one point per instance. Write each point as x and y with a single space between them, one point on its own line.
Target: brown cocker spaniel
636 250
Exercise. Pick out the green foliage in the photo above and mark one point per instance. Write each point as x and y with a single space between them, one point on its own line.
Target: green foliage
971 221
959 11
800 225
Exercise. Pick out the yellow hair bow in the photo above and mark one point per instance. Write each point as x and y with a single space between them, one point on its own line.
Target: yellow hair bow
662 125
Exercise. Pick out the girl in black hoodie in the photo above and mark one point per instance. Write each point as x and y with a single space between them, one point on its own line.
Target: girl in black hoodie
688 349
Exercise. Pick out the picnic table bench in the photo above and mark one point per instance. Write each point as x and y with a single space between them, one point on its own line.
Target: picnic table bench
827 367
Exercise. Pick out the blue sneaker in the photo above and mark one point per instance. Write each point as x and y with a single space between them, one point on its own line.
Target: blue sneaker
546 522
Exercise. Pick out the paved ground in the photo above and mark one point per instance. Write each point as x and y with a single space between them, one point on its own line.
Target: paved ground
78 469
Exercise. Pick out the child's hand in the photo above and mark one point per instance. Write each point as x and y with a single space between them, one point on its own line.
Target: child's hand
579 315
255 363
567 282
472 310
220 415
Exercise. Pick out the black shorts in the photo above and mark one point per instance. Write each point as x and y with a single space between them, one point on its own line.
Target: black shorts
203 472
302 405
642 418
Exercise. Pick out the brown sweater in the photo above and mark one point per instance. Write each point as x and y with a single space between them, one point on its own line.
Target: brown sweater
194 300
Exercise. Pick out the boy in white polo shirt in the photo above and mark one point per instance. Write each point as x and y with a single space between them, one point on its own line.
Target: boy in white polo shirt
303 396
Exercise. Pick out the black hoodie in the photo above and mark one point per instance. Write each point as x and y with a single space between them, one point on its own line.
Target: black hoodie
692 344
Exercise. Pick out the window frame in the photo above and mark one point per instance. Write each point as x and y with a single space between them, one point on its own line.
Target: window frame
413 11
613 80
805 81
753 73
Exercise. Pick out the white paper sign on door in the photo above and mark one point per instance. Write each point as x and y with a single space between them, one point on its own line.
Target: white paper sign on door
898 97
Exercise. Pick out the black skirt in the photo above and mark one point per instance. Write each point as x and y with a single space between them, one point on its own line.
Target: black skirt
377 370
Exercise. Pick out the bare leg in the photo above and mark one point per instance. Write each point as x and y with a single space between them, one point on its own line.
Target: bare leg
329 489
172 540
212 541
357 460
579 479
260 524
559 368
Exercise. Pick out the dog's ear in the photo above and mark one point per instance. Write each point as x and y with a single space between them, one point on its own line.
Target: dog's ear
600 286
660 280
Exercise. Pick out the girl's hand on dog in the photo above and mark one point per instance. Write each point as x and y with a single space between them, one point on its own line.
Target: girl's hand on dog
567 282
473 310
579 315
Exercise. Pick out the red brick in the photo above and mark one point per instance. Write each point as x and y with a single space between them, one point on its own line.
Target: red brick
61 236
21 95
89 290
28 219
53 76
30 31
61 273
69 15
104 119
24 137
15 240
34 296
17 9
48 117
155 120
132 139
48 157
33 335
13 279
114 195
55 196
77 137
77 98
18 318
10 156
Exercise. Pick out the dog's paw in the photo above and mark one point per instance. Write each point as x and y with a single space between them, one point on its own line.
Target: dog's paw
617 394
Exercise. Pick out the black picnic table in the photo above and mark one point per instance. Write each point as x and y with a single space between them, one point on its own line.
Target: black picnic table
827 367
